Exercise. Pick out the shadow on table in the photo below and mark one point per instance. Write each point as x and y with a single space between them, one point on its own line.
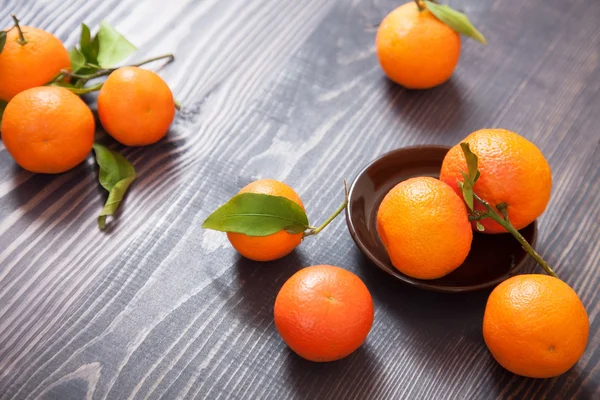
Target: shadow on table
436 109
438 314
68 193
355 376
259 283
570 385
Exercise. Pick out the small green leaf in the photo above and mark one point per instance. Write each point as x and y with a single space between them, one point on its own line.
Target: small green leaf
2 40
89 47
2 107
256 214
480 227
114 200
114 48
472 162
77 60
116 175
458 21
467 190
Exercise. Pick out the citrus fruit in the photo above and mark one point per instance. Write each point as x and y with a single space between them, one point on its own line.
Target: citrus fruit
324 313
535 326
513 171
47 129
424 227
415 49
136 106
277 245
24 66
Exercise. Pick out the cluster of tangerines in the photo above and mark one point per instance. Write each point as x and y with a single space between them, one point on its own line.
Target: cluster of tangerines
494 182
47 128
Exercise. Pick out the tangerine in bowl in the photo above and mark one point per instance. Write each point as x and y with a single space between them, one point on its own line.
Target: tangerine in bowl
491 259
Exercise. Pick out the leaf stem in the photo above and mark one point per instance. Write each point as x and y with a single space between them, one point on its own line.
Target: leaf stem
314 231
420 5
493 215
22 41
104 72
82 90
477 217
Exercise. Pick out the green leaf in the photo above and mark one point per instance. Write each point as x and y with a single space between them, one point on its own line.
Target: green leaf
2 107
114 200
89 47
472 162
2 40
114 48
467 190
77 60
471 176
116 175
458 21
480 227
256 214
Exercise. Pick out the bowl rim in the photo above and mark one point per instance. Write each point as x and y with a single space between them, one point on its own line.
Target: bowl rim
421 283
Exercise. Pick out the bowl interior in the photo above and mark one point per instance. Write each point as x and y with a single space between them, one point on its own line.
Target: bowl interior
493 258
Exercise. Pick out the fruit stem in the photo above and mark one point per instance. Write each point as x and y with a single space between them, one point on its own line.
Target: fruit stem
420 5
493 215
314 231
22 41
103 72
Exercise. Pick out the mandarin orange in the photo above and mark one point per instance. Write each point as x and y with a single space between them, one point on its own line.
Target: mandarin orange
35 63
323 313
415 49
47 129
535 326
136 106
514 173
271 247
425 228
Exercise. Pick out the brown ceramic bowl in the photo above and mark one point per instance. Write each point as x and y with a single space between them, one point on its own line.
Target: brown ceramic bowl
493 258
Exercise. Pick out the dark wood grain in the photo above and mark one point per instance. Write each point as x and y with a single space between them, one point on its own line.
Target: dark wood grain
159 308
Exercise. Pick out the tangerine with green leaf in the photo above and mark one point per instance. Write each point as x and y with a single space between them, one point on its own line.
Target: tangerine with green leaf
418 44
515 176
424 227
47 129
31 57
276 245
535 326
266 220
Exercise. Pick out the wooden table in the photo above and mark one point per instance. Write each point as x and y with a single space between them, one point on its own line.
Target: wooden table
159 308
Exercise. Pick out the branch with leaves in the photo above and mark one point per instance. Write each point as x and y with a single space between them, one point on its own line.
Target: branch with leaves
498 214
96 57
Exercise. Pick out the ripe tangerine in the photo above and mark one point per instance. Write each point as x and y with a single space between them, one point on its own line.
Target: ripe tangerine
324 313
